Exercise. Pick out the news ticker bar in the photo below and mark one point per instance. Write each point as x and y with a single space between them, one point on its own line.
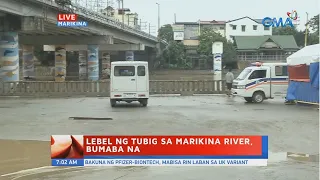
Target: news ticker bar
159 162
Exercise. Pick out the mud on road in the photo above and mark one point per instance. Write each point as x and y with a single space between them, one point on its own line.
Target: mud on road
290 129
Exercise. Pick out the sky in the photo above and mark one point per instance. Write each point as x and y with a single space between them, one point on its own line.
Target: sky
206 10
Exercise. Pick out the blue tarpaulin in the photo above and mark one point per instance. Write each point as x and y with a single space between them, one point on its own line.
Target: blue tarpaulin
314 74
302 91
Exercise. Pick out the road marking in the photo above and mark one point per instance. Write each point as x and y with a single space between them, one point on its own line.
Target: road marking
24 175
48 168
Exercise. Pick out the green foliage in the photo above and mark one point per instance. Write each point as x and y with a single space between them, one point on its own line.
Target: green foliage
166 33
299 36
207 37
284 31
314 24
175 54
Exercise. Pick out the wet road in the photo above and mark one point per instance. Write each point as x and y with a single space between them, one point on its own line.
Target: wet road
290 129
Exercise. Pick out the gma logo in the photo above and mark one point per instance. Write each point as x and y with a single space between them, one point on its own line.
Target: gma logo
268 22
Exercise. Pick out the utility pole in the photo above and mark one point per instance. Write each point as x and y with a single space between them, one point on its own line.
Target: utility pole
306 32
199 27
122 11
158 15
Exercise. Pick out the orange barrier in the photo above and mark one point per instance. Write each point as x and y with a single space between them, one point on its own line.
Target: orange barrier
299 73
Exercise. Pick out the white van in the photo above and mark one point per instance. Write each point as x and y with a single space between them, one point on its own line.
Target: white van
262 81
129 81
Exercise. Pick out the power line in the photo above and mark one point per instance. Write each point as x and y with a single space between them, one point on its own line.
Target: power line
152 29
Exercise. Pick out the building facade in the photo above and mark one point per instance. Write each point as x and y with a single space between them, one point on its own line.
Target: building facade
265 48
130 19
246 26
192 30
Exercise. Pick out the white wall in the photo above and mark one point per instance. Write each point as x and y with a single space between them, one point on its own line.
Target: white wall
248 29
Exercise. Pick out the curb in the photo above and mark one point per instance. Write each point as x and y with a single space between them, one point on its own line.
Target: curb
165 95
83 96
209 95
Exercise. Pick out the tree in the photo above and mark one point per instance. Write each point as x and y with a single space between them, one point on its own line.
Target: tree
207 37
284 31
314 24
174 54
299 36
166 33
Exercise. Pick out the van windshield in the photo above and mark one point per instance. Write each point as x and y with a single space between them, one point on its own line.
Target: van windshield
244 74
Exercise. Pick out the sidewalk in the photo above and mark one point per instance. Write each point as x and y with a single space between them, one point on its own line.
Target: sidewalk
17 155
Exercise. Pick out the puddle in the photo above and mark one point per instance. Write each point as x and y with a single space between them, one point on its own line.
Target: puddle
5 107
89 118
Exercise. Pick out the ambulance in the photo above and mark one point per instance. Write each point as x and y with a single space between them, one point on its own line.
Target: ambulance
262 81
129 81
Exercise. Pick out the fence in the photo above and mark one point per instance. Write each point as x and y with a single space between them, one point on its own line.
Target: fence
101 88
265 58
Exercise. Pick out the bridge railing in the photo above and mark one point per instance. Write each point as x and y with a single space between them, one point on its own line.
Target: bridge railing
102 88
89 14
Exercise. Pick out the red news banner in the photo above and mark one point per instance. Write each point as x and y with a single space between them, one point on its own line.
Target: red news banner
173 145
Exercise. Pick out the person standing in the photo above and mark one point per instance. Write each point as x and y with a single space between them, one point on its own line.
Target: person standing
229 80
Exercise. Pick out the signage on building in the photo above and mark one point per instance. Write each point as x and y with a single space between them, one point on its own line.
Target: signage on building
178 36
178 32
177 28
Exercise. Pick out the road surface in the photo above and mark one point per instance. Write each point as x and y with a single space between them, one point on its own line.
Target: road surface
290 129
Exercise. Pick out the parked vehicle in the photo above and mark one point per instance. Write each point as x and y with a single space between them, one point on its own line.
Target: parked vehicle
262 81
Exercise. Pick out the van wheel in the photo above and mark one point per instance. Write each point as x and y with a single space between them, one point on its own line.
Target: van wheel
113 102
144 102
248 99
258 97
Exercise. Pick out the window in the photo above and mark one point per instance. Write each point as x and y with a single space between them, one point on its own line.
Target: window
255 27
234 27
243 28
141 71
221 28
124 71
266 28
243 74
281 70
258 74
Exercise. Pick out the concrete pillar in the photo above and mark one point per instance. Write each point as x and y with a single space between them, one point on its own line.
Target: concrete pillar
28 61
9 58
129 55
60 63
106 65
93 62
83 68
